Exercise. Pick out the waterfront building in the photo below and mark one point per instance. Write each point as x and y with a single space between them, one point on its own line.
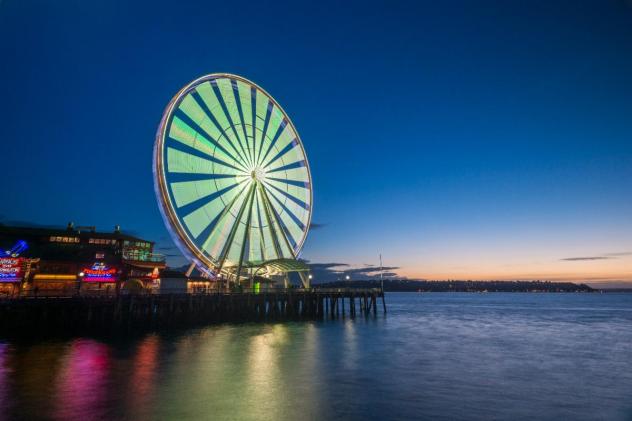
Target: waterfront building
57 261
174 282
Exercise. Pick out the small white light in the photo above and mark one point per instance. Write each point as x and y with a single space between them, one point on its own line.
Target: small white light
347 277
81 273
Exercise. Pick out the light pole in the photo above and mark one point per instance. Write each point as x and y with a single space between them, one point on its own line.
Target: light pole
381 274
79 282
382 282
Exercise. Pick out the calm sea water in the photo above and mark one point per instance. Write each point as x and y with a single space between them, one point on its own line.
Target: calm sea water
435 356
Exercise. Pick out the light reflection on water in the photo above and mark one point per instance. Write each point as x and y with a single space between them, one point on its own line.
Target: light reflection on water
435 356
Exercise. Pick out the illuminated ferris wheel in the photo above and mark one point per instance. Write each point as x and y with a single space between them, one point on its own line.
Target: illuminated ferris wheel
231 176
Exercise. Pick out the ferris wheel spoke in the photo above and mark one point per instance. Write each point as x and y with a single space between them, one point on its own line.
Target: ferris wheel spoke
240 109
182 118
266 123
197 221
183 177
297 183
287 210
199 95
293 165
283 228
260 221
294 199
253 249
270 236
186 207
246 232
231 123
233 229
181 155
274 140
285 231
195 109
253 111
273 233
282 152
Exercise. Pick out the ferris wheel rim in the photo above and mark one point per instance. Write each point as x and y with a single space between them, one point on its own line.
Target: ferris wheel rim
172 221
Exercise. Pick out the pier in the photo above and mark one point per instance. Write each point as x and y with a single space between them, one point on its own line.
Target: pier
124 313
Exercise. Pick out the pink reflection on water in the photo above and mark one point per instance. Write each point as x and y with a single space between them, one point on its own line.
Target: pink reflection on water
4 379
81 386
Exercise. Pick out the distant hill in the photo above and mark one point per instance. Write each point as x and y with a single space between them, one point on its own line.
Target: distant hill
401 285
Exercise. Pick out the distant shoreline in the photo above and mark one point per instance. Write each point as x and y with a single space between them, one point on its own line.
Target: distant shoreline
401 285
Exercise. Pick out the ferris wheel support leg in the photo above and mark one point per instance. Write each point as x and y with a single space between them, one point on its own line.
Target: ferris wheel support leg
283 235
233 231
190 270
246 234
266 204
304 279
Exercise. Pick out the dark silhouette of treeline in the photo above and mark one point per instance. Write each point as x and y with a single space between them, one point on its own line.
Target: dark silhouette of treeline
402 285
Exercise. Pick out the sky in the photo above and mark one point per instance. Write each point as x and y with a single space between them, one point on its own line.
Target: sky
459 139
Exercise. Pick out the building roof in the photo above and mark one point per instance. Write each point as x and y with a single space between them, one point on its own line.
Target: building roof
74 231
282 265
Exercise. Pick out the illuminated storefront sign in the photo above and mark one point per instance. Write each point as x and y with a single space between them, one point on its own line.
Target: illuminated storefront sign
99 272
16 250
10 269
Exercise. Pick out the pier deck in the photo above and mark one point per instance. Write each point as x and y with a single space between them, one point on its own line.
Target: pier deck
135 312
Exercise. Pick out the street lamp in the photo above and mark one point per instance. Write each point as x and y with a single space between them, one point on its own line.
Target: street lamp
347 277
79 282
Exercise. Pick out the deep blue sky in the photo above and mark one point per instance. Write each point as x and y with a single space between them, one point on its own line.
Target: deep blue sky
458 138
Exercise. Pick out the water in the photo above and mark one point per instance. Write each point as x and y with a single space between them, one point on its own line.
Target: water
435 356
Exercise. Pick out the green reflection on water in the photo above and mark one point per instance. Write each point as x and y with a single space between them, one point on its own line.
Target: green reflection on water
221 372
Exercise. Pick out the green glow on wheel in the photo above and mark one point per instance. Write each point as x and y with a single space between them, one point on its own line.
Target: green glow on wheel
231 174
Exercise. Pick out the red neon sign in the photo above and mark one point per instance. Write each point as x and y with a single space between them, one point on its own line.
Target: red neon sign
10 269
99 272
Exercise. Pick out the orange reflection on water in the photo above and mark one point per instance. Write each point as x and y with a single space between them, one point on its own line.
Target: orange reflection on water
142 382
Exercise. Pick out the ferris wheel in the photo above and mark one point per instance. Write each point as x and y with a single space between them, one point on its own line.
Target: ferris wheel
231 176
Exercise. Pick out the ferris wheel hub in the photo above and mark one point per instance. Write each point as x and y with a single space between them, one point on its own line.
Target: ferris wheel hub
258 174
